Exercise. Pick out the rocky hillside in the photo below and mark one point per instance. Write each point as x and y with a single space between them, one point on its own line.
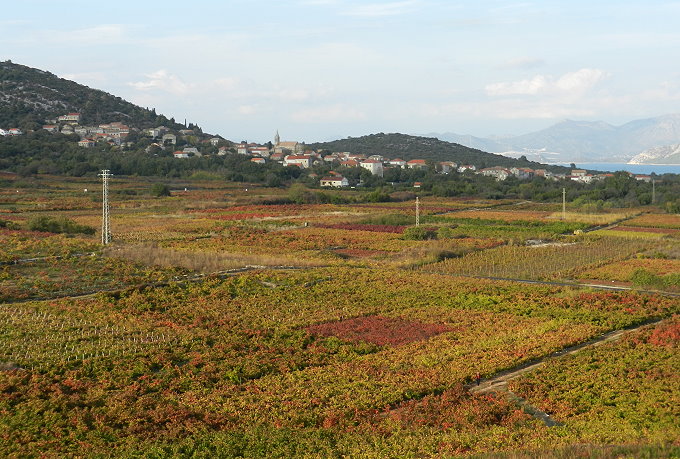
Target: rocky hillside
669 154
29 96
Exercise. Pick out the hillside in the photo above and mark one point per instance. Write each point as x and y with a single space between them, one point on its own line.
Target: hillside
29 96
669 154
409 147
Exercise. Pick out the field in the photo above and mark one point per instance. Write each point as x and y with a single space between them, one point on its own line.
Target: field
223 322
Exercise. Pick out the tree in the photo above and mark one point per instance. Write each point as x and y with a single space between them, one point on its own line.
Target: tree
160 189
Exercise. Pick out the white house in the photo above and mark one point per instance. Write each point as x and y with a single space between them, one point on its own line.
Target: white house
170 138
447 166
416 164
337 181
303 161
180 154
259 151
397 162
522 173
69 118
86 143
499 172
258 160
466 167
374 166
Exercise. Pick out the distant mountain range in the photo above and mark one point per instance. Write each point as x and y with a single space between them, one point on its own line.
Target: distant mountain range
583 141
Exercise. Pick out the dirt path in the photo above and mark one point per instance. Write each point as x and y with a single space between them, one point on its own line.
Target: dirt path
498 384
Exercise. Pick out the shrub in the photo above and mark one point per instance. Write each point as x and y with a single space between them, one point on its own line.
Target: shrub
644 277
419 233
446 232
58 225
160 189
389 219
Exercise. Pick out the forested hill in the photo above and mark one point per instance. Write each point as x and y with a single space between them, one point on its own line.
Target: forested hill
409 147
29 96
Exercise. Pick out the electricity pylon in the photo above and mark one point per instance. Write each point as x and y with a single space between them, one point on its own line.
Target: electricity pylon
106 224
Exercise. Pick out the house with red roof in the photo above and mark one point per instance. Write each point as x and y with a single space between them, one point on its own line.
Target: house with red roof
374 166
416 164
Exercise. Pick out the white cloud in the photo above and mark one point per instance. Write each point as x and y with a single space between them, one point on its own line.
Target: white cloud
569 83
97 35
228 84
382 9
163 81
526 87
329 113
247 109
523 63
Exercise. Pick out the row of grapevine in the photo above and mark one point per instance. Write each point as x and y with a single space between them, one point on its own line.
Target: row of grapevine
548 261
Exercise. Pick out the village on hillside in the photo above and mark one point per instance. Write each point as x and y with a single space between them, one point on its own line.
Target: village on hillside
287 153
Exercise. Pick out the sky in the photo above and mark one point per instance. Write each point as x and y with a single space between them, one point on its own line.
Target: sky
319 70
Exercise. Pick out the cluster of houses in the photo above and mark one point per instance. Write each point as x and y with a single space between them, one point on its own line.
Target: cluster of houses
294 154
115 134
112 133
291 153
10 132
164 138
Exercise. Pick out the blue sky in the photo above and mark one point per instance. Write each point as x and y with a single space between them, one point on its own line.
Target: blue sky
324 69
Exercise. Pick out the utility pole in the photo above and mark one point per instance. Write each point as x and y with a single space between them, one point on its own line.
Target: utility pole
106 225
417 211
564 203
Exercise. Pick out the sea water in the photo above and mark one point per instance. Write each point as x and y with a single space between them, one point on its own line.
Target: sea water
644 169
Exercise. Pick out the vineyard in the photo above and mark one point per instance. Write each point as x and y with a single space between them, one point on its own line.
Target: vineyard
620 393
226 323
542 261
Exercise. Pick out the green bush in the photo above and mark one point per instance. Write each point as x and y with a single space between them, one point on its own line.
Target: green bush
419 233
50 224
388 219
447 232
160 189
642 277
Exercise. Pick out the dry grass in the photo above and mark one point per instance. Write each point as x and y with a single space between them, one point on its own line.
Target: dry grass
151 255
593 219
